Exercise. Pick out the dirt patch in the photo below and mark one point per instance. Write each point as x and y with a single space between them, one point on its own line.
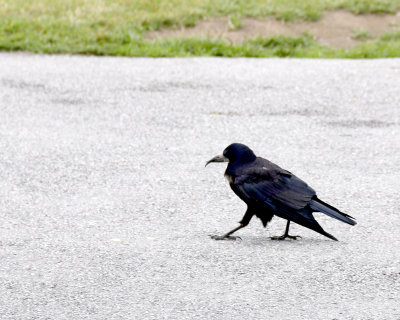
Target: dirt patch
336 28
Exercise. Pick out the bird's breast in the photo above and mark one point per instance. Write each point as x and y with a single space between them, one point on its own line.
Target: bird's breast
231 179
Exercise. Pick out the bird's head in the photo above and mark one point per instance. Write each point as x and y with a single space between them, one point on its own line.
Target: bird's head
235 152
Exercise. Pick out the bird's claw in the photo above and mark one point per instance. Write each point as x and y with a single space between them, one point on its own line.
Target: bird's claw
284 237
224 237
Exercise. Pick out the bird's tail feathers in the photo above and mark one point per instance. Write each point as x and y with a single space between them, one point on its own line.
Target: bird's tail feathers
318 205
326 234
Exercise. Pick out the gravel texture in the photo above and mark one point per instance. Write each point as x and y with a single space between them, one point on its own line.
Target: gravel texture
106 207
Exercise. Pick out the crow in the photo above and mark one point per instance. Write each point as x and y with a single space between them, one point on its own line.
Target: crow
269 190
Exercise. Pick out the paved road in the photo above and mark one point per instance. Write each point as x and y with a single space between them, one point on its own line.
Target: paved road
106 205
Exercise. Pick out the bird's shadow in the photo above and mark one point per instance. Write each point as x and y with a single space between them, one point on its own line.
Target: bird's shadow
252 241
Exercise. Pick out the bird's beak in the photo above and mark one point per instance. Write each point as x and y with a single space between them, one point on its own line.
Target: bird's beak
219 158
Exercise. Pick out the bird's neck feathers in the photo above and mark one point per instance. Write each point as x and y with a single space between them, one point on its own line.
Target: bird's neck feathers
235 165
244 157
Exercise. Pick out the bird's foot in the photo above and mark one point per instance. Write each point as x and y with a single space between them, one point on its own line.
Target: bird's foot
224 237
284 237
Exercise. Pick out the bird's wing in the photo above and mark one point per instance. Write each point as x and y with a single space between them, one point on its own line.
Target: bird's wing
274 186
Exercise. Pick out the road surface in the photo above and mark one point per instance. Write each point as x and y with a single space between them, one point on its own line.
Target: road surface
106 207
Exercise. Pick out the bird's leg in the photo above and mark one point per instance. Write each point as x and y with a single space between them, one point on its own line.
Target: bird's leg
244 222
286 234
228 236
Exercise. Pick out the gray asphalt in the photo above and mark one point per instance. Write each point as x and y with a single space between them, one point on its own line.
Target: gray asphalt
106 207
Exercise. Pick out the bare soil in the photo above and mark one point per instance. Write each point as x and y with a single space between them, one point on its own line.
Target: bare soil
335 28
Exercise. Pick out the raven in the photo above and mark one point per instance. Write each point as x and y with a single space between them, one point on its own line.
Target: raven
269 190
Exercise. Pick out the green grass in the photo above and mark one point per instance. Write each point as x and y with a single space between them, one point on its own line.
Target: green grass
117 27
361 35
279 46
235 22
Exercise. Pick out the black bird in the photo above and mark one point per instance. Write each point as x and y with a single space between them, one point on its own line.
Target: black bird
269 190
